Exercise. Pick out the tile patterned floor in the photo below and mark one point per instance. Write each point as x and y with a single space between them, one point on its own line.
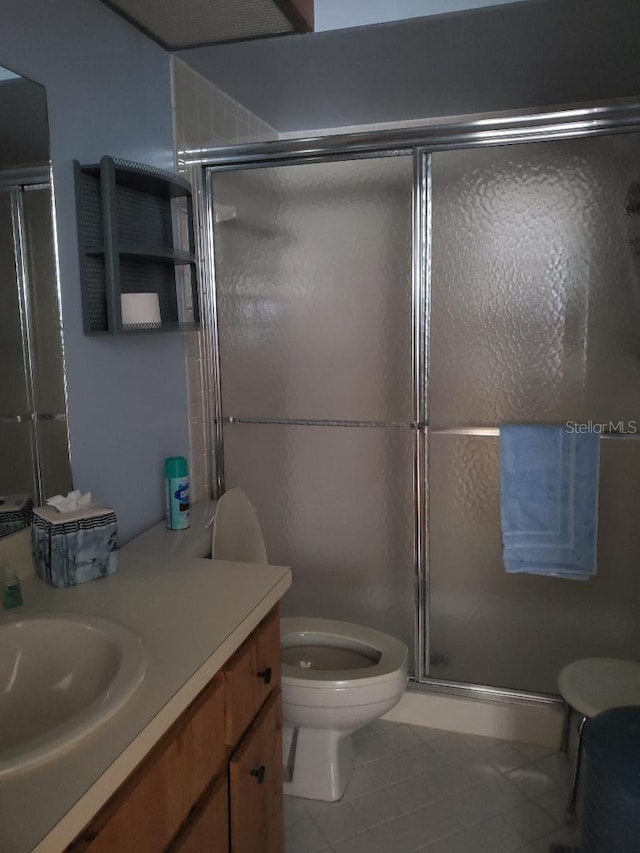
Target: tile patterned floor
417 789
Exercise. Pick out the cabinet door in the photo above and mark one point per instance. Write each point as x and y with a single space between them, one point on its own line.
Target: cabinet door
251 674
147 811
208 831
256 785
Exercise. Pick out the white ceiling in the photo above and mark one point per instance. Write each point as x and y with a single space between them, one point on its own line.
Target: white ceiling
343 14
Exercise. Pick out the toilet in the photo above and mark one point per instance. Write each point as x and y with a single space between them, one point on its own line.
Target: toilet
336 676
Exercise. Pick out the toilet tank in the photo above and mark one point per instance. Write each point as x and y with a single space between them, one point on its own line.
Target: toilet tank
194 541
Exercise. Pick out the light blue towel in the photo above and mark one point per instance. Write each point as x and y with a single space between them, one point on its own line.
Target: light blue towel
549 500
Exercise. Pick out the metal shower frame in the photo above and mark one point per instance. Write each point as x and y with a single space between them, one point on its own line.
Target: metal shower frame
621 116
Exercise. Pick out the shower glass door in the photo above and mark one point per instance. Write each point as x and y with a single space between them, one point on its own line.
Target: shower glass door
535 318
378 318
314 304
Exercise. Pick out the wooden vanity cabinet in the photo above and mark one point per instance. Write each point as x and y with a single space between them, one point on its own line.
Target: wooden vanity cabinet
208 828
255 783
250 677
213 784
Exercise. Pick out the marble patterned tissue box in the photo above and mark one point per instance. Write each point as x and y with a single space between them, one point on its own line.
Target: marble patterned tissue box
15 513
74 547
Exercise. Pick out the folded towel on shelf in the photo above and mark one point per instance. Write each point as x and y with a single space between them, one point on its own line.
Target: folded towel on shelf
549 500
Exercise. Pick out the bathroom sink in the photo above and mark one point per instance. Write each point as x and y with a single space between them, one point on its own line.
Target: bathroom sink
61 676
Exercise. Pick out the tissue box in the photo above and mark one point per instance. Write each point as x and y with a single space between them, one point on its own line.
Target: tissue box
15 513
74 547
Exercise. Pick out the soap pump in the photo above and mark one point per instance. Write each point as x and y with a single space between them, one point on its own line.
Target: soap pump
11 591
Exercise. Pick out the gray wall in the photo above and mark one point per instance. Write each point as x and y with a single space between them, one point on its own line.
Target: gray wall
108 91
523 55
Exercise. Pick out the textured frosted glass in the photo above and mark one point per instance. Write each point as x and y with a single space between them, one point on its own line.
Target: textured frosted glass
336 505
47 351
535 317
54 455
518 631
13 392
536 283
313 271
16 462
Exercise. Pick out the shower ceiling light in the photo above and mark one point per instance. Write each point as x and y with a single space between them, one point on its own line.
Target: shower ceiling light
177 24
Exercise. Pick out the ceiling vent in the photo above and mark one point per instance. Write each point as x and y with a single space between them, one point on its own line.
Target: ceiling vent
178 24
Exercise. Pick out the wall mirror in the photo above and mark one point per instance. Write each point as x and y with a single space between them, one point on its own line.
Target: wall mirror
34 445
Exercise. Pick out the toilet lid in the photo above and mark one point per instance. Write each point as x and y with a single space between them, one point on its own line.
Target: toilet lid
236 530
388 654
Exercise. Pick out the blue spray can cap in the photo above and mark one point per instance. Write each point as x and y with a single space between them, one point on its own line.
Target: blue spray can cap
175 467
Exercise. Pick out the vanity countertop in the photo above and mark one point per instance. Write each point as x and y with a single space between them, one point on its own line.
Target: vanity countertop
191 614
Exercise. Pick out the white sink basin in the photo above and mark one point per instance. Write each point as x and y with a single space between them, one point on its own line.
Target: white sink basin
61 676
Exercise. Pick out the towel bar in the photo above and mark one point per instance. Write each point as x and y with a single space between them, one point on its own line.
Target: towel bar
495 431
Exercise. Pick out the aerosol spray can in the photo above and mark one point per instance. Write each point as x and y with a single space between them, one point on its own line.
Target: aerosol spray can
176 472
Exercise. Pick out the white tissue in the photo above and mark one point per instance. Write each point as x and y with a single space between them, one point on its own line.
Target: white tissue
72 502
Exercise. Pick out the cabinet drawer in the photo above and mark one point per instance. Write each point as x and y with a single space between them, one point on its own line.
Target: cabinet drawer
149 809
255 783
251 675
208 831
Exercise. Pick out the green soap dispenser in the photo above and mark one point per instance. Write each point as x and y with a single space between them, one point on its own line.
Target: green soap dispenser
176 473
11 591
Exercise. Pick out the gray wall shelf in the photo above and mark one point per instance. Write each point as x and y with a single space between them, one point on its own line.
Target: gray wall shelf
135 234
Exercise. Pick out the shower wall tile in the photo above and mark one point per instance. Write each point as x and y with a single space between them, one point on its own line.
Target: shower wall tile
203 117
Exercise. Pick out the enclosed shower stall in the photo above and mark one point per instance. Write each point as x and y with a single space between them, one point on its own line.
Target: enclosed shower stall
380 304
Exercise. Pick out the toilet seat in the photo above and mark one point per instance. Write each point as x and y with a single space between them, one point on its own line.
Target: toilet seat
393 653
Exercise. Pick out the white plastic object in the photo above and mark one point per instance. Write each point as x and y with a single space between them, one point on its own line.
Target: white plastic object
236 530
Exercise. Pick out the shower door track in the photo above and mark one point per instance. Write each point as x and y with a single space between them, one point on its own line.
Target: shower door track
621 116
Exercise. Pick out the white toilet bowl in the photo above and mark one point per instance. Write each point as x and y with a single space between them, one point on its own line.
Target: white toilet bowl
336 676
